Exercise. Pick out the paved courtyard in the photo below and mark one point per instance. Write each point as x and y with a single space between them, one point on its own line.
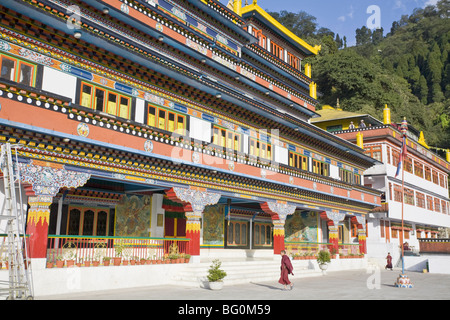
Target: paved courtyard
342 285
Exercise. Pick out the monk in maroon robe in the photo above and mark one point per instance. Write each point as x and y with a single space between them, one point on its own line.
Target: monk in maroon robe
389 261
286 269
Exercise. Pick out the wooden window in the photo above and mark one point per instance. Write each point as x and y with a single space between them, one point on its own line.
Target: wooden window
441 181
388 154
105 100
381 228
8 70
166 120
428 173
88 221
398 193
430 203
437 205
260 149
237 233
162 119
277 50
321 168
17 70
374 152
262 234
435 177
26 73
151 120
298 161
395 157
409 196
346 175
420 200
294 61
86 95
99 99
418 169
444 206
408 165
394 233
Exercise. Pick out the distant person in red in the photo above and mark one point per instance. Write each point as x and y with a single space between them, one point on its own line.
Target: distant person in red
286 269
389 261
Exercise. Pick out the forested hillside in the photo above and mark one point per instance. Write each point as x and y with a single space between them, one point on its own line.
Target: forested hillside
408 68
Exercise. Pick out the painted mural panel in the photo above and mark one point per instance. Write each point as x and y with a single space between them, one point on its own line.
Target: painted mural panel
213 218
302 226
133 217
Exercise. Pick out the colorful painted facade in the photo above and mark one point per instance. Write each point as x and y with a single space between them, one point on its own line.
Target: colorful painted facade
172 119
423 191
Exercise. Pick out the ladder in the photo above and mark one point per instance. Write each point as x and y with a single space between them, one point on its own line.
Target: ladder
19 285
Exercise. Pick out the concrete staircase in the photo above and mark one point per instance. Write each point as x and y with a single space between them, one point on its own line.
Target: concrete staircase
244 271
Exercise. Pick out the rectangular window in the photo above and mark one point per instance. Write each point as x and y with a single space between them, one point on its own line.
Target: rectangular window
99 102
171 122
17 70
418 169
8 68
112 103
428 173
86 95
104 100
26 73
321 168
409 196
374 152
162 119
345 175
430 203
435 177
298 161
437 205
124 108
420 200
151 120
260 149
398 193
408 165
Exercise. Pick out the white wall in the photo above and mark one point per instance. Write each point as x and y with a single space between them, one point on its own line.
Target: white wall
157 200
59 83
200 129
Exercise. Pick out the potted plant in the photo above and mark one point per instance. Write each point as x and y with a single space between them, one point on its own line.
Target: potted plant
106 261
186 258
71 256
87 261
323 259
118 251
59 262
216 275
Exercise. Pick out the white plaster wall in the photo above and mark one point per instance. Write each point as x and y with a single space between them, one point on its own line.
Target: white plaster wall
59 83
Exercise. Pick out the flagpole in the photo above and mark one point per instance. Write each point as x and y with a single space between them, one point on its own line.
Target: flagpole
403 280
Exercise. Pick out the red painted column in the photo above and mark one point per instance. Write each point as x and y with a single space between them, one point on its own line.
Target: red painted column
333 237
37 225
278 236
193 232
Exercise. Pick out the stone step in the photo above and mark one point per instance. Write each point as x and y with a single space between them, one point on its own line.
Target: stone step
240 272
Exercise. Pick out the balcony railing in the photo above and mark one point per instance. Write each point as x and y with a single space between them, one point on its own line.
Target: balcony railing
86 249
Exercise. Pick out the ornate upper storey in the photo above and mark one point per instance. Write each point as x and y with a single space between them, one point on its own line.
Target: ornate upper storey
176 71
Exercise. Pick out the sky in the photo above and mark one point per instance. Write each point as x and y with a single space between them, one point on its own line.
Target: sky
343 17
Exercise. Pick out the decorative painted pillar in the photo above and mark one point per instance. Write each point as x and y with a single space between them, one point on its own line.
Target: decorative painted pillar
37 225
194 200
279 211
333 237
333 219
360 221
44 179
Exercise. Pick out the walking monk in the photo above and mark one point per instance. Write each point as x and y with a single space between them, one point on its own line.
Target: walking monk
286 269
